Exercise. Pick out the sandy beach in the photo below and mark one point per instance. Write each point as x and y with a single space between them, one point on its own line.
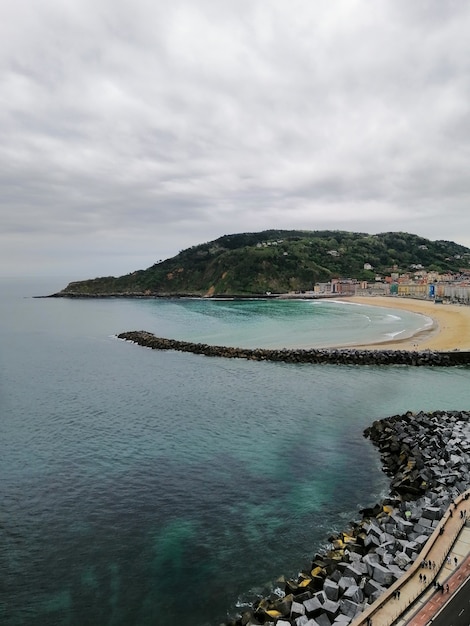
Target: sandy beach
450 331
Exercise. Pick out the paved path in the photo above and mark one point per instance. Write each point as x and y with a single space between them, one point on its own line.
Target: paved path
454 576
410 592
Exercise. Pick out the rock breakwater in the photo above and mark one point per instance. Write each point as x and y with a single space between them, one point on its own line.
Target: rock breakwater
427 456
341 356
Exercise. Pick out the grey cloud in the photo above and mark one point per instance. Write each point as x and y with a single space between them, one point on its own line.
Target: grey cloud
163 125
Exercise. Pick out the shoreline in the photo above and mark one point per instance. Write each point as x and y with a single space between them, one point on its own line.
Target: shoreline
449 331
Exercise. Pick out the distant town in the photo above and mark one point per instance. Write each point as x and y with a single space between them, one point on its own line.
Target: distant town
417 283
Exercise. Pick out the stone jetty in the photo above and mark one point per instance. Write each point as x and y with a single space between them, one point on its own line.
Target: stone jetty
427 456
341 356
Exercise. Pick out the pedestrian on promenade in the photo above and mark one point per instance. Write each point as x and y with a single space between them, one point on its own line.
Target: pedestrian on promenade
420 578
447 588
398 594
455 561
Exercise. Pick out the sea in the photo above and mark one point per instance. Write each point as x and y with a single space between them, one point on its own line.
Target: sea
158 488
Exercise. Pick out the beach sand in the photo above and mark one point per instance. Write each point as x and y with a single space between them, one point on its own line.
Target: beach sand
450 331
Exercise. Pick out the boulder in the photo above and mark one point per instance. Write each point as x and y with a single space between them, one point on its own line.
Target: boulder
323 620
312 606
331 608
342 620
432 513
402 560
370 560
420 541
349 608
297 609
331 590
353 571
345 582
354 593
382 575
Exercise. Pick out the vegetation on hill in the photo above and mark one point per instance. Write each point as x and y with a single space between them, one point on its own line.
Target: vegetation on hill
280 261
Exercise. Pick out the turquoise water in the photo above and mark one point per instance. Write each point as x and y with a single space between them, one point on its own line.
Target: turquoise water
273 324
162 488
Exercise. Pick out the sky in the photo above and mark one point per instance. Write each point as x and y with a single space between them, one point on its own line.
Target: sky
132 130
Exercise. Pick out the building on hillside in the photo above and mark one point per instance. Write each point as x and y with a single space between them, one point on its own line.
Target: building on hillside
432 277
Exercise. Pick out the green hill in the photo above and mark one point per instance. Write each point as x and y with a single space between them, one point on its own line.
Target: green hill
279 261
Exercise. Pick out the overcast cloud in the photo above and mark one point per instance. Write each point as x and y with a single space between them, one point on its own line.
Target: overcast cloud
132 130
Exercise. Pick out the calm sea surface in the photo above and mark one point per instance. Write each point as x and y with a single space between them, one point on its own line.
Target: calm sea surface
159 488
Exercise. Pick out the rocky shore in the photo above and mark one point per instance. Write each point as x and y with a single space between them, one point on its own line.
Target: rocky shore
341 356
427 456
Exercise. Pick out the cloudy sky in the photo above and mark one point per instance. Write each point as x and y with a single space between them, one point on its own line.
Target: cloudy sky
132 130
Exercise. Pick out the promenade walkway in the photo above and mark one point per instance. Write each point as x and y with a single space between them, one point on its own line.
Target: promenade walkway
434 600
412 591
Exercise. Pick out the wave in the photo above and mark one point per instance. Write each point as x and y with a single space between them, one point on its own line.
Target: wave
396 334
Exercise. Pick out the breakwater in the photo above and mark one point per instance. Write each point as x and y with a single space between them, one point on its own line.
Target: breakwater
342 356
427 456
